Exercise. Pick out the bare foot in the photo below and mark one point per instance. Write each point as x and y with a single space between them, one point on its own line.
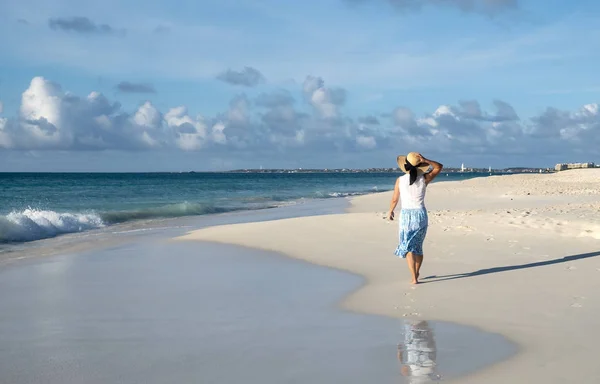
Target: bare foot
414 282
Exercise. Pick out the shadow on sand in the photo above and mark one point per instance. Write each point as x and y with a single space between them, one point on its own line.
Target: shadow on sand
510 267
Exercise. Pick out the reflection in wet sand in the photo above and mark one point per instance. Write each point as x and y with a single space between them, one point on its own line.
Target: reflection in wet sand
417 354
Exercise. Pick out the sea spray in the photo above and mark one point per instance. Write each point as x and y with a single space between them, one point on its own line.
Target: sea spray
34 224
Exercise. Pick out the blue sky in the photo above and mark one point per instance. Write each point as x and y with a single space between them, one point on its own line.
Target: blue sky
342 83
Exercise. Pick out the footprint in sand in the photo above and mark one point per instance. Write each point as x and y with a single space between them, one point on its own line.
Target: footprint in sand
571 268
577 303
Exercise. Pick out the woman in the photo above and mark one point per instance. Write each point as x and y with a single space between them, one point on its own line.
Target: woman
413 214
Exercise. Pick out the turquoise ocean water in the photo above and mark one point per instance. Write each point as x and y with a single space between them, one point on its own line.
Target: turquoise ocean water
36 206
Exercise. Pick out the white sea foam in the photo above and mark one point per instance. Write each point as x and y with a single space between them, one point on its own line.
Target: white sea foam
34 224
345 194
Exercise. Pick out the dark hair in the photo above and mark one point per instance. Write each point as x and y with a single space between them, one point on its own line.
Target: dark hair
412 170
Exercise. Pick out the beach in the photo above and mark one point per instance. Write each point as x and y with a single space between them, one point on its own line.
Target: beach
516 255
312 292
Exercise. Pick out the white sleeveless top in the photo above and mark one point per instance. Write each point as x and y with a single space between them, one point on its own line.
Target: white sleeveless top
412 196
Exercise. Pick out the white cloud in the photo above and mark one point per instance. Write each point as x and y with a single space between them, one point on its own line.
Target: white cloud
52 119
147 116
5 140
238 111
326 101
591 110
218 134
42 100
189 134
41 114
443 110
367 142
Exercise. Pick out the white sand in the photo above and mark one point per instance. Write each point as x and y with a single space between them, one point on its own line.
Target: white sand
514 229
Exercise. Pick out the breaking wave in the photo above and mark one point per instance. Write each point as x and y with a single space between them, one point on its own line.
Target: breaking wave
35 224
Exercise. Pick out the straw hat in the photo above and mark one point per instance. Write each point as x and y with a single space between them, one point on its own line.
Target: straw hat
413 159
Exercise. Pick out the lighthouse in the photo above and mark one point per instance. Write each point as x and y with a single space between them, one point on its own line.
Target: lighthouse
462 167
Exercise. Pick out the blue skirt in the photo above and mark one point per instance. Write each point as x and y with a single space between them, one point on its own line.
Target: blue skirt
413 228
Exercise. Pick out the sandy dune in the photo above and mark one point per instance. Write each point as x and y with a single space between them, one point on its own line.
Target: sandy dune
518 255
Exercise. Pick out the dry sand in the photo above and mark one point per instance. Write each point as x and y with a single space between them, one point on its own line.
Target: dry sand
518 255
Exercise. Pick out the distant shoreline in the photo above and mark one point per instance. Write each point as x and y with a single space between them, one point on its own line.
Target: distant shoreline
512 170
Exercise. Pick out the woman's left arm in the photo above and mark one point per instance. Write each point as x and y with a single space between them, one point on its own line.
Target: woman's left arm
395 198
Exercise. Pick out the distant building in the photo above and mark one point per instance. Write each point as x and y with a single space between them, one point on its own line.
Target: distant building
565 166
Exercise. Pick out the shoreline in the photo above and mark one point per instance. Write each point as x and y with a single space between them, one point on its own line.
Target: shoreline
490 256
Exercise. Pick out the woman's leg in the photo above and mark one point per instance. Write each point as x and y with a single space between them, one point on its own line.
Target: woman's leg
418 262
410 258
420 240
